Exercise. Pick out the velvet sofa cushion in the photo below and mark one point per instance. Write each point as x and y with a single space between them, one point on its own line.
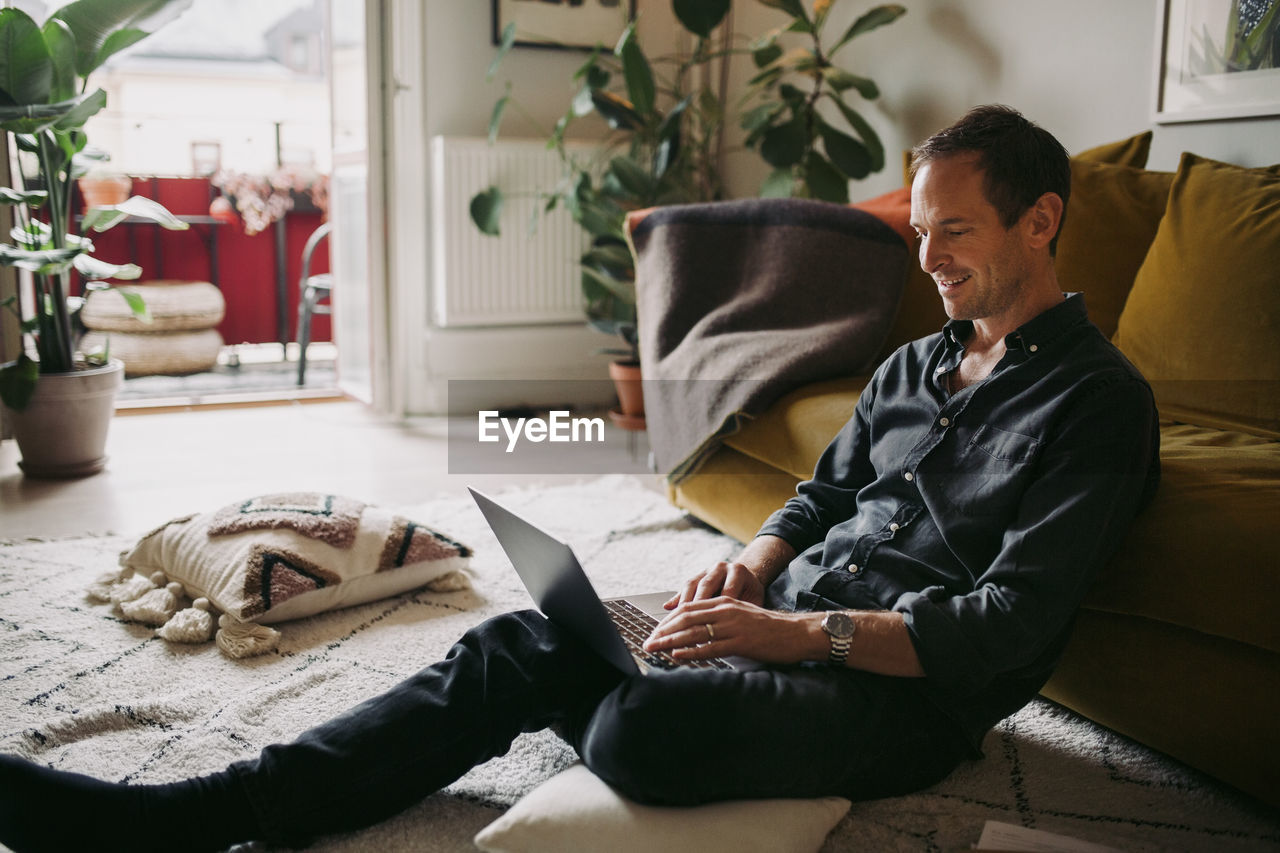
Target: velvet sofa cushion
1202 321
1125 152
1112 218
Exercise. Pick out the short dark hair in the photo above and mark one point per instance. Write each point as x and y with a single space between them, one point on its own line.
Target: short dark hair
1020 160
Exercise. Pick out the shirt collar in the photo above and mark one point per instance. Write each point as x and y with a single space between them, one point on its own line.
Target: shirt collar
1033 335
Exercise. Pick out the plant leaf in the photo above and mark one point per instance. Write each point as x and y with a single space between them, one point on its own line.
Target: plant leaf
61 43
26 68
617 111
92 268
700 17
877 17
633 177
137 305
18 382
42 261
109 215
824 180
842 80
105 27
32 118
86 107
846 153
871 139
784 144
31 198
495 118
486 211
794 8
636 71
767 55
623 290
779 184
504 47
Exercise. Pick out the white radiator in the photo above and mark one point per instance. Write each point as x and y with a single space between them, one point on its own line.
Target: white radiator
515 279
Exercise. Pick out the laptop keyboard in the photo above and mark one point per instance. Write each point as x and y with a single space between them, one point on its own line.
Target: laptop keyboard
635 626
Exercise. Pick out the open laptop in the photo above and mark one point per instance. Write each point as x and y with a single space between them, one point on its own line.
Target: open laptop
616 628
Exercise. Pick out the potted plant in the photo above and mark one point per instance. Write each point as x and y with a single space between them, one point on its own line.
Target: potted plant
60 402
102 186
664 148
666 137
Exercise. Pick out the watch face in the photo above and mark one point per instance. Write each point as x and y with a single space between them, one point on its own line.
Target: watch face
838 625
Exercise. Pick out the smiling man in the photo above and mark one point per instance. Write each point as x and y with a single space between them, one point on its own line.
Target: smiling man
917 589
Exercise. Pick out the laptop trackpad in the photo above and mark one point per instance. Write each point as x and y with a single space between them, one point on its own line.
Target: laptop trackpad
651 603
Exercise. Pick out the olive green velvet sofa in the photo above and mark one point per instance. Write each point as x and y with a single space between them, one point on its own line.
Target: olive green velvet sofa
1178 644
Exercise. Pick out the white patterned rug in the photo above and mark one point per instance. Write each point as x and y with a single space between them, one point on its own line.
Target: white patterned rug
82 690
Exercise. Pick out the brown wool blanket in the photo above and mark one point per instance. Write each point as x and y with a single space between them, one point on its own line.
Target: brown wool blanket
729 321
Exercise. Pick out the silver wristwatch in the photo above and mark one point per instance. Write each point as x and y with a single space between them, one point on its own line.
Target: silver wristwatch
839 627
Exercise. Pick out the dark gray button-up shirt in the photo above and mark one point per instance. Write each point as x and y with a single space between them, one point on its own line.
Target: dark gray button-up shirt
982 516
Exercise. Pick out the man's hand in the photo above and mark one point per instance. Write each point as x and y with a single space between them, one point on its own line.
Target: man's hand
744 579
714 627
731 580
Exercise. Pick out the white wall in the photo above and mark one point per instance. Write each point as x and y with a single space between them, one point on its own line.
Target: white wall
1081 69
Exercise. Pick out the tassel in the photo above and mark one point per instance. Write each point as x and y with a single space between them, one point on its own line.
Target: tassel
130 588
100 589
154 607
245 639
193 625
452 582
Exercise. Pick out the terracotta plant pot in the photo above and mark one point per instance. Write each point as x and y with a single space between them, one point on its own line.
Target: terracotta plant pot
626 380
98 192
63 430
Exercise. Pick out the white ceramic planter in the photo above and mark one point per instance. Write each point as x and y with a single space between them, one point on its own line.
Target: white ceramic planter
62 432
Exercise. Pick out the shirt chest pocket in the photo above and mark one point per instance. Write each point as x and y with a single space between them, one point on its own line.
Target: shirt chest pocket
983 474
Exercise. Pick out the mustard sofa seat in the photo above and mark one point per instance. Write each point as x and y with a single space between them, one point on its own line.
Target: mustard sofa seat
1178 644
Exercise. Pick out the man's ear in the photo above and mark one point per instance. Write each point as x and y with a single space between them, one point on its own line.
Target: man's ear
1042 219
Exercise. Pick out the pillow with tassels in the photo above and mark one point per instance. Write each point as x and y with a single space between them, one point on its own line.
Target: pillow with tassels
229 574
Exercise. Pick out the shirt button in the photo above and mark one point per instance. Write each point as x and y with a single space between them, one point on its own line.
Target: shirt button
853 567
893 528
945 421
908 476
1033 347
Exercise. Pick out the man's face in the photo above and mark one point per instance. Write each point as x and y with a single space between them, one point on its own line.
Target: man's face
980 267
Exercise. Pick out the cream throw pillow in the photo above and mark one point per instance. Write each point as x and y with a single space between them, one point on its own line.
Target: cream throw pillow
576 811
274 558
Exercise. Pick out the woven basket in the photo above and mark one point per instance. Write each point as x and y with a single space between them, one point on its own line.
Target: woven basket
160 353
174 306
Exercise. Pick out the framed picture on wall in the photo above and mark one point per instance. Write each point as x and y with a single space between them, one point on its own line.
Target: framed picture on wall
574 24
1217 59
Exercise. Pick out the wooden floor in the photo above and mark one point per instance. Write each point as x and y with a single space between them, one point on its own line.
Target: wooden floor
164 464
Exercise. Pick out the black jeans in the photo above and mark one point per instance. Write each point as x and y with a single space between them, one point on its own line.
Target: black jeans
681 737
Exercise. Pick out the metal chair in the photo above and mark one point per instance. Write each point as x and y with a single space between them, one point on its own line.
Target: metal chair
312 288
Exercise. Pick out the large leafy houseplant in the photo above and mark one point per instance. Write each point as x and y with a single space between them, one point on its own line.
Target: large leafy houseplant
665 122
666 134
45 101
813 153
